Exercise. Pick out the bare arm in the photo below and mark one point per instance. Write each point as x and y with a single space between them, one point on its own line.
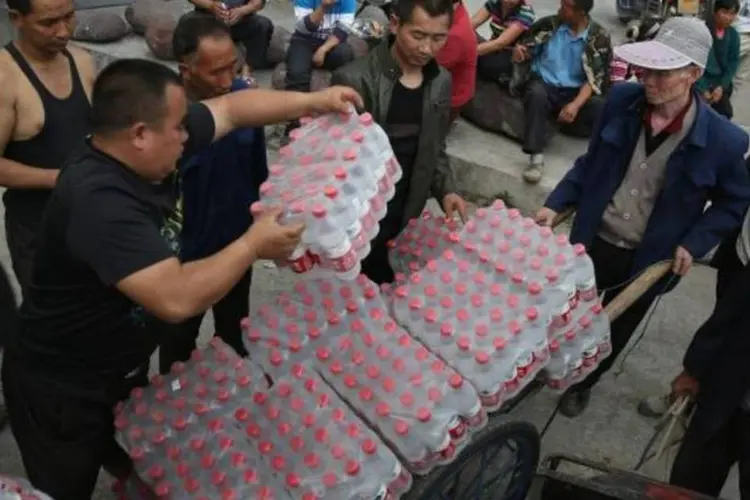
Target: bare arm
480 17
507 39
175 292
256 108
329 44
584 94
12 173
259 107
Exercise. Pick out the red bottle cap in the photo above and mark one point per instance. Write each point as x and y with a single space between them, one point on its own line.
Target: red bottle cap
498 343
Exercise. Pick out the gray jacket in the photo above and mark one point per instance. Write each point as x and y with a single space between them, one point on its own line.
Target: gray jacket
374 77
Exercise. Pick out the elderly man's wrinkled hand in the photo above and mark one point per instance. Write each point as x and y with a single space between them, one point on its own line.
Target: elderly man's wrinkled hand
684 385
683 261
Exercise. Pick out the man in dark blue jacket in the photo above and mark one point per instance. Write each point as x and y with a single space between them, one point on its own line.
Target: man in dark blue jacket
218 184
658 155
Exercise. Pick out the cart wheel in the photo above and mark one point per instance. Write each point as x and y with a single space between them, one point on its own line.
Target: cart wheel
498 464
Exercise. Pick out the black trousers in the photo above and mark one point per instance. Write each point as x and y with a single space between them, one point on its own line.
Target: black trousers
22 244
613 267
542 101
376 265
496 66
724 106
8 310
64 438
254 32
299 60
179 340
703 462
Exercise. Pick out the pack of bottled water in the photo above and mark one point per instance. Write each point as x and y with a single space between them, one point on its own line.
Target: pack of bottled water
337 176
186 435
504 293
417 403
423 239
14 488
212 428
285 333
318 446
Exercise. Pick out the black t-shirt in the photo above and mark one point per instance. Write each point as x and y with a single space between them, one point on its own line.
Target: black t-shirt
403 126
103 223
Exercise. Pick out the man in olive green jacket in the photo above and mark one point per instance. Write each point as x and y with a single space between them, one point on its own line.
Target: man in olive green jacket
409 95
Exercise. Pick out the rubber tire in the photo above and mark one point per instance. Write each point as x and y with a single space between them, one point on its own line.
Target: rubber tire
499 429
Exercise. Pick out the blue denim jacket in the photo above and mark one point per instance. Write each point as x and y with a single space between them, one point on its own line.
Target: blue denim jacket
708 165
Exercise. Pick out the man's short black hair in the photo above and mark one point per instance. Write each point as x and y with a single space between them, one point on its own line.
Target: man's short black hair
23 7
584 6
130 91
731 5
404 9
191 29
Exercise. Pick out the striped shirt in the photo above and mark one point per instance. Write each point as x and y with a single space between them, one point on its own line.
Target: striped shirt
336 20
522 14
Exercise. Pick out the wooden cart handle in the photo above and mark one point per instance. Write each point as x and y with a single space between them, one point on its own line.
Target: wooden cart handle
637 288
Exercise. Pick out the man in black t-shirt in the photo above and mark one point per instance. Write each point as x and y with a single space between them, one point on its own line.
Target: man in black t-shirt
105 273
410 97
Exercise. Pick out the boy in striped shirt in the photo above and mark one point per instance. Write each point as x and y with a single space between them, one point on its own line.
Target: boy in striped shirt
509 19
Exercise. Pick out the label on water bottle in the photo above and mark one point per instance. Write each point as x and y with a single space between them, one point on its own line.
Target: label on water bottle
576 366
491 398
301 261
525 363
563 316
457 428
590 357
342 256
587 290
557 383
476 416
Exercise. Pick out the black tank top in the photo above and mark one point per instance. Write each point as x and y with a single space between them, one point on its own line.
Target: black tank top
66 124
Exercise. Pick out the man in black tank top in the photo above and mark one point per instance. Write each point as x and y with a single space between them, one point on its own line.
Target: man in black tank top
44 109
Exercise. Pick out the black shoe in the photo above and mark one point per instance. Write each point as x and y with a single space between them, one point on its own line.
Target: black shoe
3 417
574 402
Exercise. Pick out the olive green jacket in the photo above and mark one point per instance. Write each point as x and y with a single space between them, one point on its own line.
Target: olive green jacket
374 77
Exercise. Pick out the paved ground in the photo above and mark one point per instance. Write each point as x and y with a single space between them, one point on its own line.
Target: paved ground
610 430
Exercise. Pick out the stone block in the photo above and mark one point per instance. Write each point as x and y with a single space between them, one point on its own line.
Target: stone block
141 12
494 109
158 37
319 79
279 43
99 27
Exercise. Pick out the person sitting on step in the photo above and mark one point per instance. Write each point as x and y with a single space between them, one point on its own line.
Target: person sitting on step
509 19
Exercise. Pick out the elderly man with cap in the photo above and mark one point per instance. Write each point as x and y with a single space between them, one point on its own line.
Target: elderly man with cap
657 156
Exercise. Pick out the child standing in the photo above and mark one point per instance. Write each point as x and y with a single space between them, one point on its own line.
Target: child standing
724 59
